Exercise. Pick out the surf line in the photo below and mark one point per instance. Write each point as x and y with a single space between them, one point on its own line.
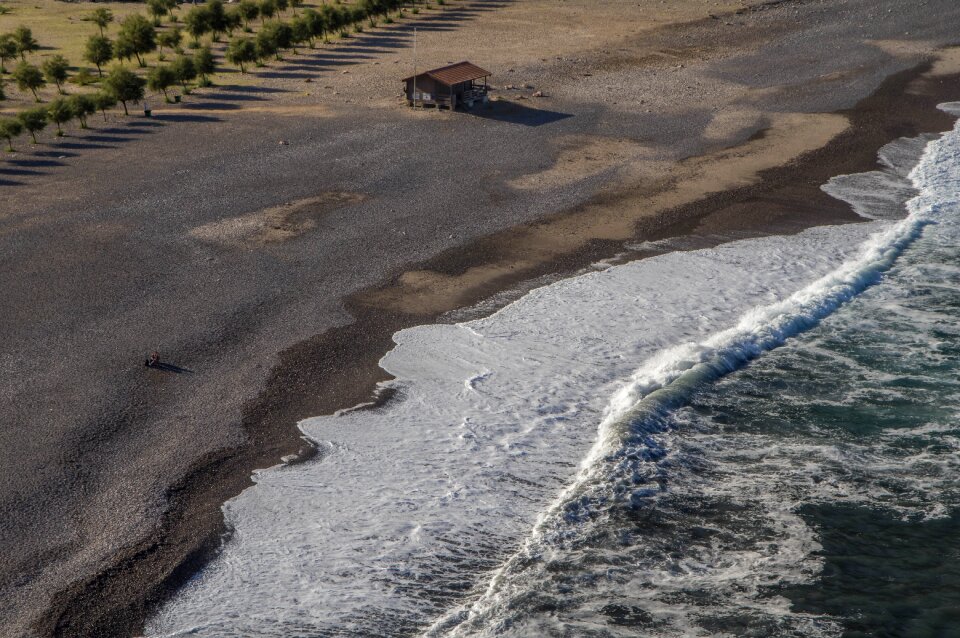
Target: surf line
668 381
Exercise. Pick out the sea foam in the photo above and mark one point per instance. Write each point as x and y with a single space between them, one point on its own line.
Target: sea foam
417 515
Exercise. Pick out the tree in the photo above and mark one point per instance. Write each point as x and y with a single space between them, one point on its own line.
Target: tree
170 39
184 70
33 120
317 22
9 129
125 86
158 9
59 112
205 64
295 4
82 105
138 35
160 79
55 70
301 30
268 9
219 22
249 10
241 51
234 20
99 51
104 100
29 78
8 50
123 49
197 21
274 36
281 6
25 43
101 18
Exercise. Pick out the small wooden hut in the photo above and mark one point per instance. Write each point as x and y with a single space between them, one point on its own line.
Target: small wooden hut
457 84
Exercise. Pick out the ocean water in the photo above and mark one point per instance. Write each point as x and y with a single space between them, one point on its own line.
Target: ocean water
758 439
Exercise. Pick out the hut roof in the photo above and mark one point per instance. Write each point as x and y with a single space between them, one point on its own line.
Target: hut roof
454 73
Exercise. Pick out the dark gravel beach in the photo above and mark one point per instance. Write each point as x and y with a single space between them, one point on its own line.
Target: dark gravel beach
268 243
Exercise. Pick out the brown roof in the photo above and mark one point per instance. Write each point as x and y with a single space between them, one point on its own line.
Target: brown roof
454 73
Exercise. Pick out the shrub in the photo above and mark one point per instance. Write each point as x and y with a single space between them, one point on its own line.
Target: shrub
248 10
83 77
170 39
197 22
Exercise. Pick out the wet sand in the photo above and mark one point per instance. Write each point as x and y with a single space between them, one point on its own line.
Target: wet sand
277 274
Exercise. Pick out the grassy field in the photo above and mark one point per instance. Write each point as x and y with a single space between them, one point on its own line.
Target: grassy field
63 28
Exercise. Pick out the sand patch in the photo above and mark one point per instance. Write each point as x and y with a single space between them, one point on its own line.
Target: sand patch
615 216
582 157
276 224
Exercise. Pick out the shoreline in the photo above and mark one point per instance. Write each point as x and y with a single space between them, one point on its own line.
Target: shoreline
338 369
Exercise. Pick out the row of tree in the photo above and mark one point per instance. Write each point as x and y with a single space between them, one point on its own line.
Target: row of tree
121 85
304 29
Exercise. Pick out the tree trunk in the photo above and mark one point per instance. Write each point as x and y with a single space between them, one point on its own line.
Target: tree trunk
34 136
99 71
139 59
37 97
125 111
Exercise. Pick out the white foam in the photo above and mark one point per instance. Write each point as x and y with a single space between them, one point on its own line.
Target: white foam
414 505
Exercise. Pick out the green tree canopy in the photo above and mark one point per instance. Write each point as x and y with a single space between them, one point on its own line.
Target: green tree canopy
268 9
205 64
25 42
9 129
197 22
184 70
33 120
241 51
28 78
82 105
8 50
101 17
158 9
99 51
59 112
125 86
55 70
170 39
137 35
160 79
274 36
104 100
219 21
249 10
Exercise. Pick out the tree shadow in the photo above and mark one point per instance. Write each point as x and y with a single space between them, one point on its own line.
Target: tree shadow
35 162
10 182
200 106
513 113
20 171
185 117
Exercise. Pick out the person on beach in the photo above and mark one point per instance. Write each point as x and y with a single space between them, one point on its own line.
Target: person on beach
153 360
